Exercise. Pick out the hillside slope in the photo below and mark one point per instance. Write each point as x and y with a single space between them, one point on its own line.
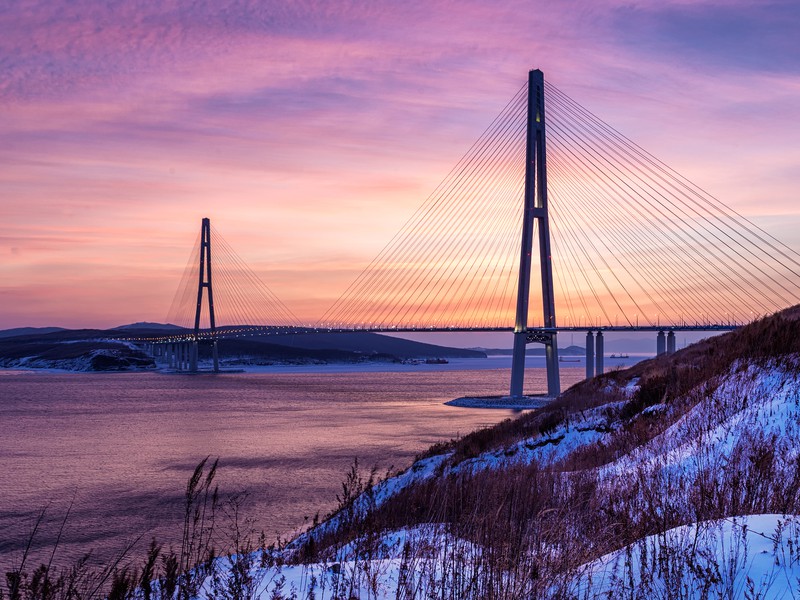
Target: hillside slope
679 477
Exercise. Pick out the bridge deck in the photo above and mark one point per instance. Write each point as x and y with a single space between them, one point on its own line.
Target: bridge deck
252 331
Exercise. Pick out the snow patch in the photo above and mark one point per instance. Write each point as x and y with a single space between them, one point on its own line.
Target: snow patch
746 557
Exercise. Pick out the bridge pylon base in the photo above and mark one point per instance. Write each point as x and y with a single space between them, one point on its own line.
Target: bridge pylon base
518 364
521 340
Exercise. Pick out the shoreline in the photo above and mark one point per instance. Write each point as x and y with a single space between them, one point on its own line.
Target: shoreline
529 402
491 362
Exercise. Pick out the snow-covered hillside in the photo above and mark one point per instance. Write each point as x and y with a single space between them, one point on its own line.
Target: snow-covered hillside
688 513
679 478
85 354
754 556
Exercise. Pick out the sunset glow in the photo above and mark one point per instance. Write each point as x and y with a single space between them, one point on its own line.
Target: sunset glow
310 132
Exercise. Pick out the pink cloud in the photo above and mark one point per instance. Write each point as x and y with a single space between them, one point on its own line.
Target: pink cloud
309 132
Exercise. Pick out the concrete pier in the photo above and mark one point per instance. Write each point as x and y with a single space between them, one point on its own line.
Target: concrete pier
671 342
661 346
598 354
590 354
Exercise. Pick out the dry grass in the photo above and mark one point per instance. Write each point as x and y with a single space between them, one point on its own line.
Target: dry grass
535 524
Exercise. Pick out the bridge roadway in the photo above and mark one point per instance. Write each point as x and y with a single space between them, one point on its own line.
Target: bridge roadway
656 328
181 349
252 330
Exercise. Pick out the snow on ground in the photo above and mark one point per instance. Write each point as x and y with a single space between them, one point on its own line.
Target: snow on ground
589 427
746 557
80 364
419 471
373 568
748 401
755 556
546 449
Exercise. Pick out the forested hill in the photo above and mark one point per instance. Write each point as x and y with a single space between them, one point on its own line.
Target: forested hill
103 350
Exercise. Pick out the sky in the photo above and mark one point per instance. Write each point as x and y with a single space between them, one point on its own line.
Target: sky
308 132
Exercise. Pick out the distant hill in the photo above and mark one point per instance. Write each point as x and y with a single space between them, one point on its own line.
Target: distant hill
357 342
368 343
17 331
146 325
262 351
115 349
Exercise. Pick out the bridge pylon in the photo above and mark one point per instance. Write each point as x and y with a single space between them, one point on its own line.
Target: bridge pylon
204 282
535 212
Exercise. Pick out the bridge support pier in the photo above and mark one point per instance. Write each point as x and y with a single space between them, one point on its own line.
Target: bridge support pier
589 355
215 356
518 363
661 346
598 355
553 375
193 357
671 342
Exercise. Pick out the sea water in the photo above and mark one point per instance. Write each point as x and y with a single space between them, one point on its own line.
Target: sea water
108 455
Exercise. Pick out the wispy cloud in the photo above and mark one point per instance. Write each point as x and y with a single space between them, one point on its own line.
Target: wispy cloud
314 129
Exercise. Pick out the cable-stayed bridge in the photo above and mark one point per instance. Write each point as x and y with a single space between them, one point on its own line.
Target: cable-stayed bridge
617 241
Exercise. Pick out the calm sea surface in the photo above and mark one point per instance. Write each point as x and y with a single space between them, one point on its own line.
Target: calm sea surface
116 449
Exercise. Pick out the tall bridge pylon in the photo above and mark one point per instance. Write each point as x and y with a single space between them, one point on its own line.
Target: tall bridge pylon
535 213
204 283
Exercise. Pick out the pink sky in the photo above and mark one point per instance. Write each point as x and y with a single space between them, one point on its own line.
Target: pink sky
310 131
